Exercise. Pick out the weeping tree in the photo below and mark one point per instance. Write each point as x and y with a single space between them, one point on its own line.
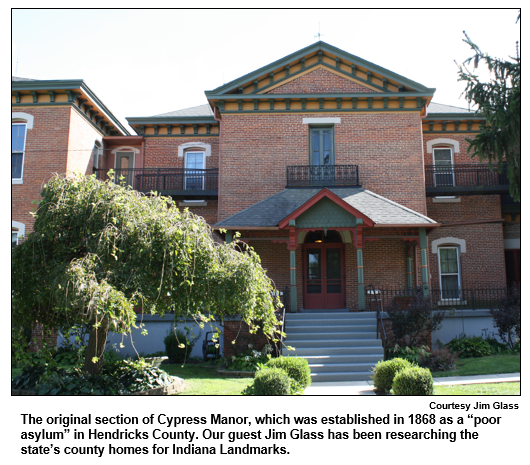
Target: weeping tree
100 250
499 101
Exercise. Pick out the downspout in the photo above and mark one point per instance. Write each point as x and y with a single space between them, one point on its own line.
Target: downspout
422 117
217 117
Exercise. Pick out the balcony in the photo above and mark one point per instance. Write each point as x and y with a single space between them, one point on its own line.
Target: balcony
472 179
323 176
178 183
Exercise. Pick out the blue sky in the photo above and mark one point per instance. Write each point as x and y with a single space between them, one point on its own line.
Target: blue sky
147 62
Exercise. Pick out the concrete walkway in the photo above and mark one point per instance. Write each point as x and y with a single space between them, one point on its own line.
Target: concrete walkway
366 388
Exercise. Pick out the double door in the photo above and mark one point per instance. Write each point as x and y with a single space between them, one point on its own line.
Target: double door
324 276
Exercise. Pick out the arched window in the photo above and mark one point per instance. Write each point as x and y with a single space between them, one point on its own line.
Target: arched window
20 124
449 250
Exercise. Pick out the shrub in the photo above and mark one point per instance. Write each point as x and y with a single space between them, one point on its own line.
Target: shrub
178 345
414 381
412 354
507 318
272 382
440 360
296 368
413 319
250 360
384 373
469 347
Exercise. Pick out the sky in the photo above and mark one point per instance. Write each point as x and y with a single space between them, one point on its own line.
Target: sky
148 62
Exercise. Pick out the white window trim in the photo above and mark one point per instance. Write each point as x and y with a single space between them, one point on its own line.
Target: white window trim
459 274
20 229
19 117
206 148
448 241
431 144
321 121
25 124
126 149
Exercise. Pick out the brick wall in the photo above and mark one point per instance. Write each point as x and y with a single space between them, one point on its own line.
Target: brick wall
208 212
257 148
162 152
46 153
82 136
320 81
460 157
512 230
238 332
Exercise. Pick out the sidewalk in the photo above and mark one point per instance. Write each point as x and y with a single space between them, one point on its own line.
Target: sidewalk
366 388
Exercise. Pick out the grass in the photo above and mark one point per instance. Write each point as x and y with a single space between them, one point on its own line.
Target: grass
484 366
491 389
203 380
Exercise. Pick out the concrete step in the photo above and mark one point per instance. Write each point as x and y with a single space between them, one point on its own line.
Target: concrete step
295 329
329 336
371 358
325 343
338 376
329 316
357 367
355 351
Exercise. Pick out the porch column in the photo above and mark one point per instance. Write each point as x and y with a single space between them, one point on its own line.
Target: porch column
292 265
410 248
424 269
228 237
360 269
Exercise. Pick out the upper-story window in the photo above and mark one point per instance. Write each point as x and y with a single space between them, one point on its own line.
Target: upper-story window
18 148
321 146
195 164
443 165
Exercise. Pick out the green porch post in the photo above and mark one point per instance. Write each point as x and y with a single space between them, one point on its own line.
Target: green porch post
228 237
360 268
410 248
424 269
292 265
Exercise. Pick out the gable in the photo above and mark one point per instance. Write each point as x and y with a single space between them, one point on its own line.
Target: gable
320 81
326 213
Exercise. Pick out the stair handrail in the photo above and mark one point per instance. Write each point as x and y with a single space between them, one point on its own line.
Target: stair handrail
379 316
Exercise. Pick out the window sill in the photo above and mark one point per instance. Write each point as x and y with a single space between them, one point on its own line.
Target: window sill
446 200
16 181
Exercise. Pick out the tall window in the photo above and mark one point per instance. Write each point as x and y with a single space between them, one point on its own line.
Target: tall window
321 144
194 170
443 165
449 272
14 239
18 147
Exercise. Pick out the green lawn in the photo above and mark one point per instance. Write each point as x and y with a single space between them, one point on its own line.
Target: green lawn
203 380
491 389
484 366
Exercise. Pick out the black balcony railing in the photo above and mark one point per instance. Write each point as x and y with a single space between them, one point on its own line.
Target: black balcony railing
177 182
323 176
465 179
475 297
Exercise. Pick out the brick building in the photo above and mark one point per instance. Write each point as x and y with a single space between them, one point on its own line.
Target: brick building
344 176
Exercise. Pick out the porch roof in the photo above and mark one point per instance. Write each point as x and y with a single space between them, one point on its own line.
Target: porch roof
270 212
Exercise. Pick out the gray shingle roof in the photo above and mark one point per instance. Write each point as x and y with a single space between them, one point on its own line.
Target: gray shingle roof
14 78
201 110
440 108
272 210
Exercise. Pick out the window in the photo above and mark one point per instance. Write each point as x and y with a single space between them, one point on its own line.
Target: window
18 147
14 239
448 259
322 150
194 177
443 166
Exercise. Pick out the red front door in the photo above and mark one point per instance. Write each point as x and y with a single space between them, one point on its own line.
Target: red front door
324 286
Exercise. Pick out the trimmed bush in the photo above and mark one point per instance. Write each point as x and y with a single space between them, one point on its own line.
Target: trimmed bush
296 368
272 382
414 381
173 340
384 373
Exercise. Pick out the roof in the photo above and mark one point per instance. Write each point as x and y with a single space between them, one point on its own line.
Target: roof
272 210
200 110
14 78
440 108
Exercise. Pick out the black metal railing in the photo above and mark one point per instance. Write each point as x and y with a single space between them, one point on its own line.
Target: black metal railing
370 290
469 175
483 296
165 179
323 176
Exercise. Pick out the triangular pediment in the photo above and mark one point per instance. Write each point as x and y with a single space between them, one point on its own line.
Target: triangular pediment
319 55
321 80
